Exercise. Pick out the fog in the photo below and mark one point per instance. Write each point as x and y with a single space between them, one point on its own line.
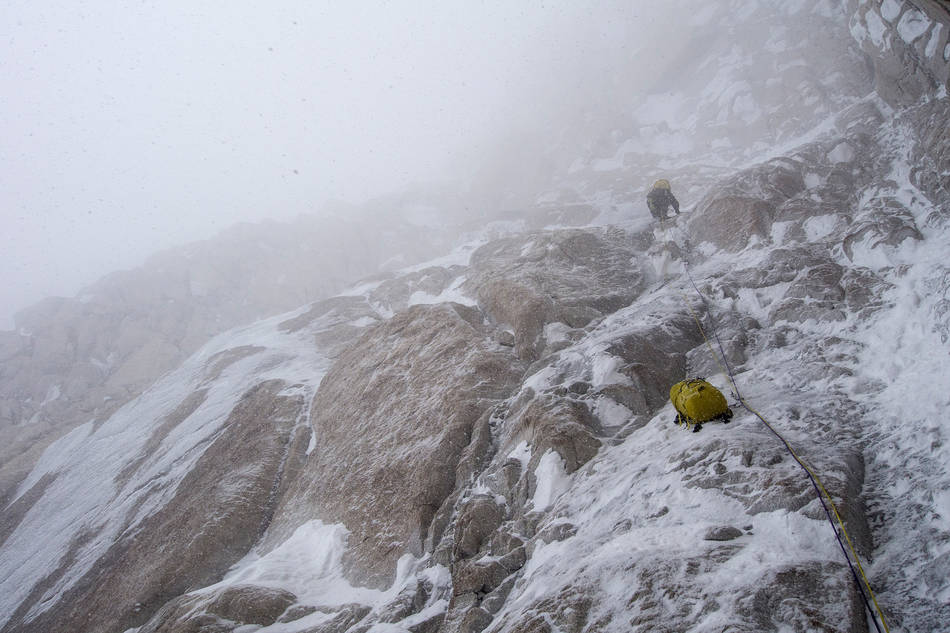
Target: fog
129 128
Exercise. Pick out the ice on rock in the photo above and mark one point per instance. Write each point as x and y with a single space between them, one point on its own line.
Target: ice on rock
483 440
912 25
890 9
552 481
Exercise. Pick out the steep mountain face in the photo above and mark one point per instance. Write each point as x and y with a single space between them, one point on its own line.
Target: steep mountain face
74 360
483 442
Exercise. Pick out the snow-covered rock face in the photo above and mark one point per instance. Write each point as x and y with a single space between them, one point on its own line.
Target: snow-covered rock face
485 442
74 360
389 485
908 46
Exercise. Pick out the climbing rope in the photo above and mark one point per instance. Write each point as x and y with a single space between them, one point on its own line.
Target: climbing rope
820 489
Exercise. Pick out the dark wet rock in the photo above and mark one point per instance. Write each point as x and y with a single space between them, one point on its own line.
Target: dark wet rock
729 334
514 560
627 395
579 387
656 359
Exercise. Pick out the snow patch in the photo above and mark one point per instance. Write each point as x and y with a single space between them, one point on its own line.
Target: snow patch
556 332
611 413
461 255
541 380
890 9
821 226
307 564
934 42
780 231
521 452
53 393
451 294
362 289
54 457
364 322
604 370
912 25
88 489
552 480
841 153
876 29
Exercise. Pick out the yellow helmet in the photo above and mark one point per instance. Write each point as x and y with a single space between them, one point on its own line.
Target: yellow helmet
662 184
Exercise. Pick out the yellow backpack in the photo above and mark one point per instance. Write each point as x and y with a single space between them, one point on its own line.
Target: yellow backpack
696 401
662 184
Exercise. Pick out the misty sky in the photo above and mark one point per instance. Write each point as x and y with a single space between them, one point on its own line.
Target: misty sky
129 127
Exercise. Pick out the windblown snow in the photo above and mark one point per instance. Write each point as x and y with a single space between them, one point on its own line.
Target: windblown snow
807 274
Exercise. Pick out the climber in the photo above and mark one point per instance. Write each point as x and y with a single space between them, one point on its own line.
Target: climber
696 401
660 199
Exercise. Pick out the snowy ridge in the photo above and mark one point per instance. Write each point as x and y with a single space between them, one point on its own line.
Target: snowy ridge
86 489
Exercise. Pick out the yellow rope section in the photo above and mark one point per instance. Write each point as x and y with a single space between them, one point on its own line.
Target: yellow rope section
811 472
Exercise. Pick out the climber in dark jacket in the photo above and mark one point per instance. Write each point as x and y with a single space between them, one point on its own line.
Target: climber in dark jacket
660 199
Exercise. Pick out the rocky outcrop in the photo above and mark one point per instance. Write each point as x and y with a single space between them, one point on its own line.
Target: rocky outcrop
380 390
908 44
568 277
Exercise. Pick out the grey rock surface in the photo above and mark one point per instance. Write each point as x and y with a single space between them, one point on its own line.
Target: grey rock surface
383 394
199 535
488 437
